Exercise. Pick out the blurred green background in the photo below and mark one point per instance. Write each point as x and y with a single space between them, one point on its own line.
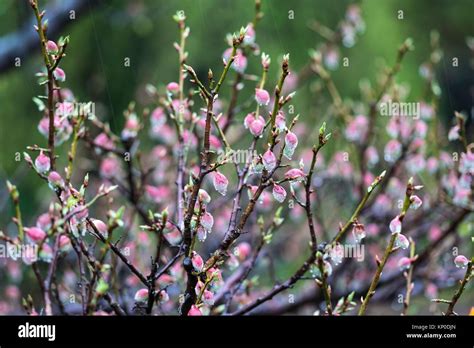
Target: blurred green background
144 31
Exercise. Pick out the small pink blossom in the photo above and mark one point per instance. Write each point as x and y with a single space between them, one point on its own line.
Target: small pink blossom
401 241
269 160
42 163
404 263
104 142
194 311
240 61
172 87
51 47
454 133
55 180
279 193
220 183
291 142
416 202
393 150
396 225
36 234
461 261
257 126
207 221
294 174
197 262
208 297
59 74
357 129
262 96
141 295
280 121
101 227
358 231
109 167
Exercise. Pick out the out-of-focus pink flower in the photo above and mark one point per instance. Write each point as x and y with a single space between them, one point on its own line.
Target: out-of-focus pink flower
404 263
172 87
194 311
36 234
109 167
157 194
141 295
240 61
357 129
279 193
242 251
249 37
434 233
104 142
280 121
454 133
393 150
64 243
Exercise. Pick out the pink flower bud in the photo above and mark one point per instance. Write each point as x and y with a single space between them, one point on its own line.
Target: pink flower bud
295 174
208 298
101 227
109 167
358 231
201 234
207 221
44 221
401 241
393 150
157 194
59 74
269 160
194 311
35 234
64 242
249 37
280 121
51 47
257 126
262 96
104 141
416 202
404 263
158 117
279 193
240 61
197 261
291 142
172 87
55 180
461 261
141 295
220 183
204 196
243 250
42 163
248 120
396 225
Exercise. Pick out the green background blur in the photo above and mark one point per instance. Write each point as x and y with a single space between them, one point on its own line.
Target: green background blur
144 31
